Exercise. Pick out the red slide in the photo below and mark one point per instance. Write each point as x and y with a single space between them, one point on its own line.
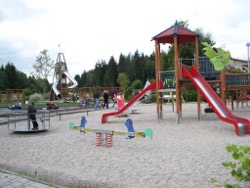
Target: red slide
152 86
242 125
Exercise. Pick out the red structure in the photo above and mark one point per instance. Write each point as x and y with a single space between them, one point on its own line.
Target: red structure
228 82
152 86
174 35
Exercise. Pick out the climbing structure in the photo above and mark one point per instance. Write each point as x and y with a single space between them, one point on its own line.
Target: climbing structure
200 77
174 35
60 88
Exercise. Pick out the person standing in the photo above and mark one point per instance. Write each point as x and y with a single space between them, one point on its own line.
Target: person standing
87 100
106 99
96 98
114 100
32 116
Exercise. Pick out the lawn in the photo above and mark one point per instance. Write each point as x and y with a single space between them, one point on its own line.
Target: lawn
42 104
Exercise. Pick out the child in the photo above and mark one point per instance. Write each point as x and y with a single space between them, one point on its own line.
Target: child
114 100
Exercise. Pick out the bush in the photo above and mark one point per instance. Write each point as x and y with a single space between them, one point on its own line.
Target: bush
191 95
240 167
27 92
35 98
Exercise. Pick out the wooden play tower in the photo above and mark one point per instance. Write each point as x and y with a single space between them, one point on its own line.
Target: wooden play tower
174 35
228 83
60 89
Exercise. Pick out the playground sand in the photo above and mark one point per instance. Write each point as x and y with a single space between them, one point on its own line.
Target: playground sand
187 154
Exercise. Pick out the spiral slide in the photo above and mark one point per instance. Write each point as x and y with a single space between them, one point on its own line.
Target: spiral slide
58 94
152 86
242 125
71 79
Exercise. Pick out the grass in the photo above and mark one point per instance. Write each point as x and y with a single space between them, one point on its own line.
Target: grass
42 104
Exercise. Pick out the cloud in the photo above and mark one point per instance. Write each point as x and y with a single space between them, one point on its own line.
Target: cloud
89 31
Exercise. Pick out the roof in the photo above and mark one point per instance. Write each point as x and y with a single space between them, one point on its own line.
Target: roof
239 61
183 35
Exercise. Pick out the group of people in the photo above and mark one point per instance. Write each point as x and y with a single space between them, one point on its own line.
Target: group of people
85 101
105 99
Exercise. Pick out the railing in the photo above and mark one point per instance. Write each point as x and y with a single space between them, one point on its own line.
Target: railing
206 67
168 79
238 79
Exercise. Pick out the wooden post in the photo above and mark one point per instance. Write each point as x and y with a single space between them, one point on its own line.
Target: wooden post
223 85
157 69
159 79
156 77
197 66
177 82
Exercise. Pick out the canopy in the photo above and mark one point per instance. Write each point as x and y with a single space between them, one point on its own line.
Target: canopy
183 35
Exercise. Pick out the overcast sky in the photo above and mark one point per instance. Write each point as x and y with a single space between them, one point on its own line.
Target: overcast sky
88 31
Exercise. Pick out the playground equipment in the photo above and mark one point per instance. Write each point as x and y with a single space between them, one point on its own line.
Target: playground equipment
150 87
22 123
227 83
105 137
17 106
51 106
242 125
12 95
60 80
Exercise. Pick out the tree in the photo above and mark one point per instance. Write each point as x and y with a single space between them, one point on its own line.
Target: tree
124 83
43 65
99 72
11 73
138 65
122 65
130 71
3 80
110 78
22 80
78 78
137 84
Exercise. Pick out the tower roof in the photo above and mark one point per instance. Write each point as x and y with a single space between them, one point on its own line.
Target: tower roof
183 35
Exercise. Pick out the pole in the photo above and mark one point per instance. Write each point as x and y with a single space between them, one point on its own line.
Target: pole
248 61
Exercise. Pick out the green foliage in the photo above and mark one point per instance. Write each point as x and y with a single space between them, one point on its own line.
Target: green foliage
123 80
43 65
127 91
11 73
191 95
247 69
27 92
111 73
169 83
35 98
3 80
124 83
73 98
240 167
218 57
153 97
137 84
99 73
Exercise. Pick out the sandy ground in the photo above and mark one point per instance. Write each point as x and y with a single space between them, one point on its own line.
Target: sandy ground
187 154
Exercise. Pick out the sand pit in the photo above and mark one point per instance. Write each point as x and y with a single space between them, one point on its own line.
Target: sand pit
187 154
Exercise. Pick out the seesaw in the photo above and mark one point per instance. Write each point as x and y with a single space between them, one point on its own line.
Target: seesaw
105 137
